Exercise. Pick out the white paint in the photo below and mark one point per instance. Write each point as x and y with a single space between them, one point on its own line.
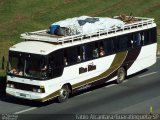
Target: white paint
34 47
26 110
147 74
145 59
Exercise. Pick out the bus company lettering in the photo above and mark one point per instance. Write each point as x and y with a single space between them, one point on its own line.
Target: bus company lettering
90 67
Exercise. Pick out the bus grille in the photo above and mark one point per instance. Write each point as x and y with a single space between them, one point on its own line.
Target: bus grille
26 87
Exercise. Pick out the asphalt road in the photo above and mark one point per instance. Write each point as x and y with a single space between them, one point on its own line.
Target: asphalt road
136 95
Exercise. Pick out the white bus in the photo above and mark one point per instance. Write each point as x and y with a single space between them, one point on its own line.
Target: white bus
47 66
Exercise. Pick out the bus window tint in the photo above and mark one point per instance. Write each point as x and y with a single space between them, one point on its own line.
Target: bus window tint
136 39
95 50
147 37
70 55
123 42
150 36
142 38
79 54
115 44
16 63
101 49
129 43
83 53
34 65
88 48
108 44
154 34
55 64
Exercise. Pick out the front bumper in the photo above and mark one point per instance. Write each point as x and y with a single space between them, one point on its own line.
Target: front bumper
40 97
24 94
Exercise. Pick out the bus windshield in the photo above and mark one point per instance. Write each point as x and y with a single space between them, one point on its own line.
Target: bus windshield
35 66
16 63
28 65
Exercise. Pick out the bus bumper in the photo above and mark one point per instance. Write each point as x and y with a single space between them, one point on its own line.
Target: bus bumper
40 97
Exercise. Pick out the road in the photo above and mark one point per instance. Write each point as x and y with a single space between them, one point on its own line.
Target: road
136 95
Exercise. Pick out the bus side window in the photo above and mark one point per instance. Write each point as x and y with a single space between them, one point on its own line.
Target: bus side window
108 46
65 57
147 37
95 50
151 34
115 44
136 39
123 42
50 67
55 64
79 54
101 49
154 35
129 43
70 55
142 38
83 53
88 51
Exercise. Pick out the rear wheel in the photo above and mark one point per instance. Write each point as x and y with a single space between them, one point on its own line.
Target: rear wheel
63 94
121 75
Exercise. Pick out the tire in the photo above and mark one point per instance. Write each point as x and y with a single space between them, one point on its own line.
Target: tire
121 75
63 94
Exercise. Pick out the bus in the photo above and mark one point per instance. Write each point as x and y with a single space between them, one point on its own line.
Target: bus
46 66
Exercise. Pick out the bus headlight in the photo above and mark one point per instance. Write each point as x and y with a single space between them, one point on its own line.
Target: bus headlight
38 90
10 85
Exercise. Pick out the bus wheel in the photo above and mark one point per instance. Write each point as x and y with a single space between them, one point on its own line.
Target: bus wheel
63 94
121 75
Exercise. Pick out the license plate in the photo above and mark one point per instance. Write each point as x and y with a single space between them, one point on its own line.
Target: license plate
22 95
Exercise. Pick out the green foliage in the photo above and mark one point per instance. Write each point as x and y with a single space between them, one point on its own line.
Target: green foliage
158 39
21 16
29 15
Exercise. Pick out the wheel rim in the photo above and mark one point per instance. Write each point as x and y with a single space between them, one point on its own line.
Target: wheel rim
63 94
121 75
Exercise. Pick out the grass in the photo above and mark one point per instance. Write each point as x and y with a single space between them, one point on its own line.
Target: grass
158 41
29 15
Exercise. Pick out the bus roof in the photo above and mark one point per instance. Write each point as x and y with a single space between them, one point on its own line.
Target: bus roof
35 47
40 42
130 23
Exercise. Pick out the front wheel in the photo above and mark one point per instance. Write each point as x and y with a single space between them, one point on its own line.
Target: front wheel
63 94
121 75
